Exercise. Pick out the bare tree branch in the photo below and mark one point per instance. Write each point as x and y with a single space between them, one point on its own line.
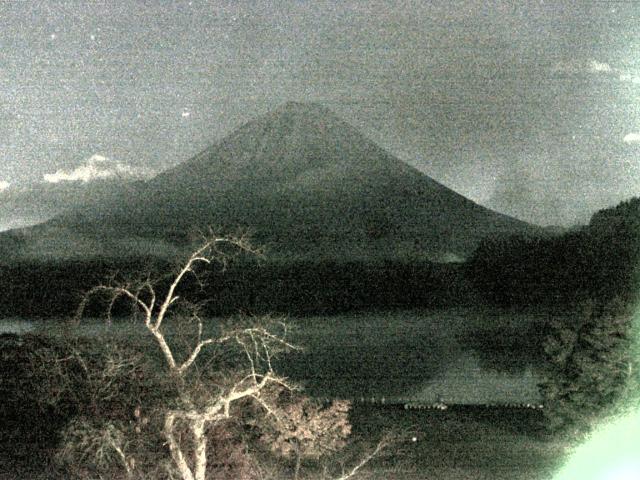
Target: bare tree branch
258 343
384 443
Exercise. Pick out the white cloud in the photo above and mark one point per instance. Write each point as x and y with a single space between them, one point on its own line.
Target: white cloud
632 138
4 185
626 76
94 168
596 66
571 67
629 77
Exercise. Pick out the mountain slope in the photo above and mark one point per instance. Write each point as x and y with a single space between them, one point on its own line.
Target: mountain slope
306 184
37 202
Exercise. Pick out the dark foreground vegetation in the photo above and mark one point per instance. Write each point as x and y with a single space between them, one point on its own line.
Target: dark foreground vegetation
96 408
53 382
51 408
194 406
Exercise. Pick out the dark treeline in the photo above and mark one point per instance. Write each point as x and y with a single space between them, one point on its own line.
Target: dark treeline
593 274
597 262
55 289
331 287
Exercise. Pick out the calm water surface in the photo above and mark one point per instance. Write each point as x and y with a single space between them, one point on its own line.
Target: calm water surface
398 356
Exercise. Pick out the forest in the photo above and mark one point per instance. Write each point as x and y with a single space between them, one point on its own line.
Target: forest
596 262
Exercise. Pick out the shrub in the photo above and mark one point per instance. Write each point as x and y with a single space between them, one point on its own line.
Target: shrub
588 365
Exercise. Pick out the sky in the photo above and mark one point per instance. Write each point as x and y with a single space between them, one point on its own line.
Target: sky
530 108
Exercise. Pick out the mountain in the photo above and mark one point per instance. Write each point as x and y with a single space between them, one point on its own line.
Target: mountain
301 180
93 180
34 203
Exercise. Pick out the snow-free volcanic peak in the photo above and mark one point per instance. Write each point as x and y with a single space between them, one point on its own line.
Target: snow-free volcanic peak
306 183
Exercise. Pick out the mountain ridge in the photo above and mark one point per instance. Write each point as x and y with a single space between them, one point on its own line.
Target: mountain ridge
306 183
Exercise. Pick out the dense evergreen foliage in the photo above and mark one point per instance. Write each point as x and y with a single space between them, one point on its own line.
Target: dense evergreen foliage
588 364
597 262
593 273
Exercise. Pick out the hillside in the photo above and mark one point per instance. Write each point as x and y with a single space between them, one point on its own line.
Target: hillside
37 202
304 182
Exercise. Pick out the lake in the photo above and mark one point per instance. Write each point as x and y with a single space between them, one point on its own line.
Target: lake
456 356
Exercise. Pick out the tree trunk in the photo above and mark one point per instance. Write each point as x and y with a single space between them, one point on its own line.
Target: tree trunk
296 474
174 448
200 441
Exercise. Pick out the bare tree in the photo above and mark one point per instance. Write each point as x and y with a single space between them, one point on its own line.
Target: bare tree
258 343
202 405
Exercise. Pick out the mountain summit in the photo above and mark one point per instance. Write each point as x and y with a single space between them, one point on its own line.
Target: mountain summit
305 183
296 143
